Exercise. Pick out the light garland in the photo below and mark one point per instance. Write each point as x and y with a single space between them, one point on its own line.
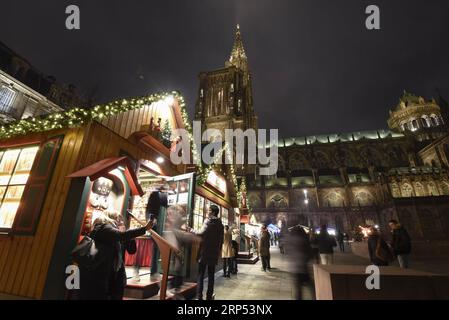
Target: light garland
78 116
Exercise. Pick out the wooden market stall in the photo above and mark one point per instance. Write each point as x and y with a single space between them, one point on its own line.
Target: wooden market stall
43 209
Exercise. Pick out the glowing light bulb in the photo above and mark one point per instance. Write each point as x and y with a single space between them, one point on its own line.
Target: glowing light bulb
169 100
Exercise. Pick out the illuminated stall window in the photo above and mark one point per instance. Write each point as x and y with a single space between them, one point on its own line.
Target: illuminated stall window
225 216
15 167
198 212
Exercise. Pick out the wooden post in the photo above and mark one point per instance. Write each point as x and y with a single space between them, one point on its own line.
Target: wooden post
166 249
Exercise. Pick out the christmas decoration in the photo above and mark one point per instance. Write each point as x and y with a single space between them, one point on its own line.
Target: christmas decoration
166 134
78 116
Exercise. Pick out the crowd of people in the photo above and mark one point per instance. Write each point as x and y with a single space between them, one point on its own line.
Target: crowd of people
107 280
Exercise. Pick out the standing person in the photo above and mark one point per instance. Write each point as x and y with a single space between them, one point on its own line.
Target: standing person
341 241
299 253
227 252
401 243
96 284
117 282
326 244
212 240
379 252
281 241
264 248
235 247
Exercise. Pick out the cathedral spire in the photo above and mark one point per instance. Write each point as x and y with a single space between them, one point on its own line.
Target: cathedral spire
238 56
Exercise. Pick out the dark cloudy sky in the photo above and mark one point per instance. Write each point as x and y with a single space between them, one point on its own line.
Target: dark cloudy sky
316 69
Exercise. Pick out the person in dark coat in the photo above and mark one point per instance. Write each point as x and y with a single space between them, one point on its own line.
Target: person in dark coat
210 249
299 252
264 248
379 252
281 241
401 243
117 282
96 284
326 244
341 241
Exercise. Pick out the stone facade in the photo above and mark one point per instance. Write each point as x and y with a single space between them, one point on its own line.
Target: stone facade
225 99
343 180
26 92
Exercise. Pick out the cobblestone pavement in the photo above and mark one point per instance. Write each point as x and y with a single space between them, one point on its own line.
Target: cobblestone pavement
251 283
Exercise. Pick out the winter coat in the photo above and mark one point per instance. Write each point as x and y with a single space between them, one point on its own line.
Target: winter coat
401 242
264 244
378 257
97 284
212 239
227 249
326 243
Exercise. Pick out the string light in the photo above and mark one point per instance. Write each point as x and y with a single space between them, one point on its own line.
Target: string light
78 116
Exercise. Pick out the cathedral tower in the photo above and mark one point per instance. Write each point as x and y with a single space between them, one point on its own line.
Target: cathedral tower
225 98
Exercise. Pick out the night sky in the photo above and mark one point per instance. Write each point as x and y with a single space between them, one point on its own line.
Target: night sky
316 68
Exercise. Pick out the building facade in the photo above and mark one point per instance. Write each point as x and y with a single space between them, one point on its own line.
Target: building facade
26 92
342 180
225 99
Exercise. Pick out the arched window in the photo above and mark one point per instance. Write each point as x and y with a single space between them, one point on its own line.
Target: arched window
415 125
424 122
406 190
434 121
364 198
297 161
322 160
433 191
333 199
445 188
395 192
419 189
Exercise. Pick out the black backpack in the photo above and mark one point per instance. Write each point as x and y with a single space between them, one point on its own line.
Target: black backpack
88 254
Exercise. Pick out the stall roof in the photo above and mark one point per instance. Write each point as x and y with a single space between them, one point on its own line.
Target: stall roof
103 167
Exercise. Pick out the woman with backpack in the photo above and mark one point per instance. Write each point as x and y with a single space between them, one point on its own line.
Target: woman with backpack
379 252
101 280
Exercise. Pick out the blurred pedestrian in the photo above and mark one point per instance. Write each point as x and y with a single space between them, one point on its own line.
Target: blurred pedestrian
326 244
175 233
341 241
227 252
235 248
401 243
378 249
299 253
281 243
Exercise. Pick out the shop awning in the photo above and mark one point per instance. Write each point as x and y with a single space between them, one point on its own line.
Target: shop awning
103 167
